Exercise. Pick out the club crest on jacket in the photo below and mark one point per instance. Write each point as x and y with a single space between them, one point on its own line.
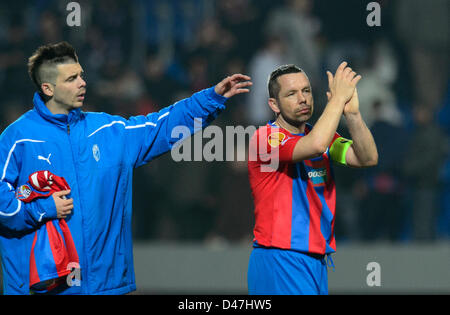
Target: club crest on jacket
96 152
23 192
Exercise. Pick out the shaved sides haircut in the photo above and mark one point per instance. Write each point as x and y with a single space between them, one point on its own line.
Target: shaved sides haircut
42 64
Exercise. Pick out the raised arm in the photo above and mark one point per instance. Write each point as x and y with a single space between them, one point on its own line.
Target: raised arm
363 151
341 86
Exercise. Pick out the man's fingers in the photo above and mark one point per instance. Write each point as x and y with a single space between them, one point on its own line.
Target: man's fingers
223 82
342 65
64 212
67 202
356 79
341 68
234 92
64 205
235 78
239 77
351 75
67 209
238 87
243 84
58 193
343 71
239 91
347 71
61 193
330 78
227 87
239 83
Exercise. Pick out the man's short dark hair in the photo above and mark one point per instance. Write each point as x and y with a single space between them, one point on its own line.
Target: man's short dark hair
42 64
273 85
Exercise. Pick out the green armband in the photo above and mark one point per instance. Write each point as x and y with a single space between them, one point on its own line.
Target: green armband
339 149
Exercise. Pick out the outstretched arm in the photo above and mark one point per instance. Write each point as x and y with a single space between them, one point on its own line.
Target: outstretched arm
150 136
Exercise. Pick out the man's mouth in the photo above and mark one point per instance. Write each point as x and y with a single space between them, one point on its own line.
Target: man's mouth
304 110
81 96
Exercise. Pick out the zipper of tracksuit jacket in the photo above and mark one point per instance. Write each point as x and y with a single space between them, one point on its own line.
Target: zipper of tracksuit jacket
84 243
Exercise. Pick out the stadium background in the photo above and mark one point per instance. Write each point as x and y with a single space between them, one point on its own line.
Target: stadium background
193 221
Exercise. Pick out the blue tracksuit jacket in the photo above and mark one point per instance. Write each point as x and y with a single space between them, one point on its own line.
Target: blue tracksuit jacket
96 154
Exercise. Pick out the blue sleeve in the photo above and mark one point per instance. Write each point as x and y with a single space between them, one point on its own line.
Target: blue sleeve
16 215
155 134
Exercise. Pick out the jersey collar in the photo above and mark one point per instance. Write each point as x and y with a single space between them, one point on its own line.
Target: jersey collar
58 119
308 128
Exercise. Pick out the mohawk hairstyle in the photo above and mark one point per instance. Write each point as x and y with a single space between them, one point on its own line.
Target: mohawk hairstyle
42 64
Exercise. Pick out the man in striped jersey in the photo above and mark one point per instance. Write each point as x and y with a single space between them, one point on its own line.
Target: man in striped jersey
292 182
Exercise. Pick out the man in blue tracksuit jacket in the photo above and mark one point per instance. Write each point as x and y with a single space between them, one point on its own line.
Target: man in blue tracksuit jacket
96 154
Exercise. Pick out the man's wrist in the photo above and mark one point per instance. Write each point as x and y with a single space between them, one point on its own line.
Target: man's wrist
42 208
352 115
336 99
219 98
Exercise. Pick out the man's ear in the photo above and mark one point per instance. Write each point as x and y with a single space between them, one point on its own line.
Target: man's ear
273 104
47 89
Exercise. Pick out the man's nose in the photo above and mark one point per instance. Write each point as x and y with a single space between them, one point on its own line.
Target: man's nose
301 97
82 82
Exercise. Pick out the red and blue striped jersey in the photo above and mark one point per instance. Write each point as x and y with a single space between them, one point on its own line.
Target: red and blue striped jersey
53 253
294 203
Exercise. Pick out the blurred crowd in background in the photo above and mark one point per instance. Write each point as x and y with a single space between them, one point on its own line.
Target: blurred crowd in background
140 56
